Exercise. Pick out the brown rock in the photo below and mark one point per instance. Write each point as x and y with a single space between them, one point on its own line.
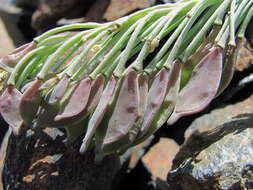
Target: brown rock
158 159
137 152
245 56
6 44
119 8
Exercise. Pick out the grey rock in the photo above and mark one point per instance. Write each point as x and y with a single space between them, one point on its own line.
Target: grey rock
221 158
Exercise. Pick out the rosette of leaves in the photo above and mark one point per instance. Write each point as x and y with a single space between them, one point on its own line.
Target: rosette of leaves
117 83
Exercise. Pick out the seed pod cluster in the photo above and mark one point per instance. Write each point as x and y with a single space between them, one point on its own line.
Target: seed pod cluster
117 83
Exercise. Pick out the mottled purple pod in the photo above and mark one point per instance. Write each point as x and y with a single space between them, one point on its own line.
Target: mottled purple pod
30 102
59 90
99 113
49 84
200 53
50 106
10 60
229 61
93 94
9 108
143 80
201 88
77 101
125 114
170 99
97 88
73 132
168 103
156 96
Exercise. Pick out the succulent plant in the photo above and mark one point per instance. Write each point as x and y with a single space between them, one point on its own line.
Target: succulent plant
116 83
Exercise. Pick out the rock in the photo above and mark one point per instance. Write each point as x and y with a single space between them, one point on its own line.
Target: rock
97 10
17 21
6 43
158 160
219 116
2 154
219 158
138 151
48 12
245 56
41 160
119 8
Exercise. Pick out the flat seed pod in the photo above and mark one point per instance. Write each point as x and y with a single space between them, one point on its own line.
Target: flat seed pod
48 112
170 99
200 53
143 93
59 90
47 85
9 103
95 93
10 61
126 111
78 100
26 86
168 104
201 88
229 61
30 102
156 96
99 113
143 80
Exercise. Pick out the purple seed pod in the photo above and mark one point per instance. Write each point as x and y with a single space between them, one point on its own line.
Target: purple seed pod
9 108
99 113
125 114
30 100
198 93
9 61
156 95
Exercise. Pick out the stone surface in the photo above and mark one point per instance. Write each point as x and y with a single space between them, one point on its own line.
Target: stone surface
6 43
158 160
2 154
138 151
217 117
40 160
119 8
218 151
17 21
245 56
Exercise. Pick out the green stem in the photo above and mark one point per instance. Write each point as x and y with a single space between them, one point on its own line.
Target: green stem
243 27
224 36
74 63
33 63
79 26
111 40
20 65
203 31
58 53
69 54
196 11
118 46
52 39
232 24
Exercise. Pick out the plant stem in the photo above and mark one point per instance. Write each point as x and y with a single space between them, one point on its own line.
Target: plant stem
88 25
20 65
